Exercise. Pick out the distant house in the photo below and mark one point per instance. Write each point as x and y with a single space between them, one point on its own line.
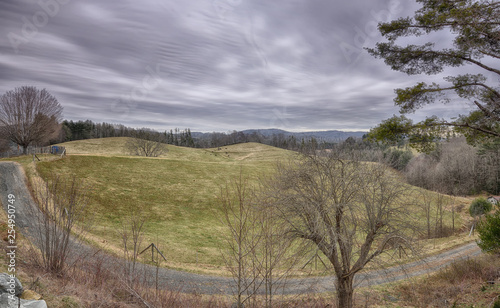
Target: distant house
495 200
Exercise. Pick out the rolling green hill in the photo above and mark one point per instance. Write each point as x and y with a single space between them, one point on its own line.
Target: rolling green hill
176 193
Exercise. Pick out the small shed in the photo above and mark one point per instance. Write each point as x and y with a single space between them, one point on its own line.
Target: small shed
495 200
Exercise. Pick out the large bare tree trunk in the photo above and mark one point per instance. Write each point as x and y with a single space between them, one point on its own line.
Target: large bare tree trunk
345 291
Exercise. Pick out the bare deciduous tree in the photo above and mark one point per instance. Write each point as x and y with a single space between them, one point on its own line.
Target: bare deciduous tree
29 115
457 168
434 203
352 211
62 205
241 239
274 254
147 144
425 202
132 235
257 254
440 204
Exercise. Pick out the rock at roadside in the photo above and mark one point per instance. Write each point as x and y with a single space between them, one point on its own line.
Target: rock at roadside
6 302
9 284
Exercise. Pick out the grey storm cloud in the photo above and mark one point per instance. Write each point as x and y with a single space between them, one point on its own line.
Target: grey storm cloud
210 65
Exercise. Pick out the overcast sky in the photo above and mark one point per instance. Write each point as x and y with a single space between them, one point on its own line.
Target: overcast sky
210 65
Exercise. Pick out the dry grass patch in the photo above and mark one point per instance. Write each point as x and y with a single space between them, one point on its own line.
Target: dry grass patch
461 284
103 146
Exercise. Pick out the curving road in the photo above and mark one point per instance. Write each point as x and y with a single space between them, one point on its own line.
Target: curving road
13 181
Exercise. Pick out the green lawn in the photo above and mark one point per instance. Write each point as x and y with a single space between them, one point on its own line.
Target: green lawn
176 194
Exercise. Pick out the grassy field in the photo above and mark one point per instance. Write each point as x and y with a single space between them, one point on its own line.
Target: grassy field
176 194
240 153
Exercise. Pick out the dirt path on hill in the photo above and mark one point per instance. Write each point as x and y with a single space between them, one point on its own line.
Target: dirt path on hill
13 181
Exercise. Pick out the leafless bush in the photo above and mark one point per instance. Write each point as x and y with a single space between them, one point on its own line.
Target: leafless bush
450 283
173 298
144 143
60 220
467 269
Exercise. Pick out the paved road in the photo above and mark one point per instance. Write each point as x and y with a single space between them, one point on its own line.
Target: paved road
13 181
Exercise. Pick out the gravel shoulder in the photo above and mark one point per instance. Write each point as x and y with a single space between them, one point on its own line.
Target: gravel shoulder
13 181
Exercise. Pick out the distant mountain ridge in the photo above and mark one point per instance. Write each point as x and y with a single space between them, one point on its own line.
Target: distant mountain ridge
327 136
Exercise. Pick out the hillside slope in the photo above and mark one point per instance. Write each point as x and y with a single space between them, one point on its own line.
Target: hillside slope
175 194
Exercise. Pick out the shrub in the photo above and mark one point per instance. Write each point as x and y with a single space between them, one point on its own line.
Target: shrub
398 159
489 233
479 206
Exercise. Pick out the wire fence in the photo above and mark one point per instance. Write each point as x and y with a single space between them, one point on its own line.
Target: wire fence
13 152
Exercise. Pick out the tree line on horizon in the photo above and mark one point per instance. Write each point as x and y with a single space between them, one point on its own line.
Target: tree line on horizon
452 167
80 130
